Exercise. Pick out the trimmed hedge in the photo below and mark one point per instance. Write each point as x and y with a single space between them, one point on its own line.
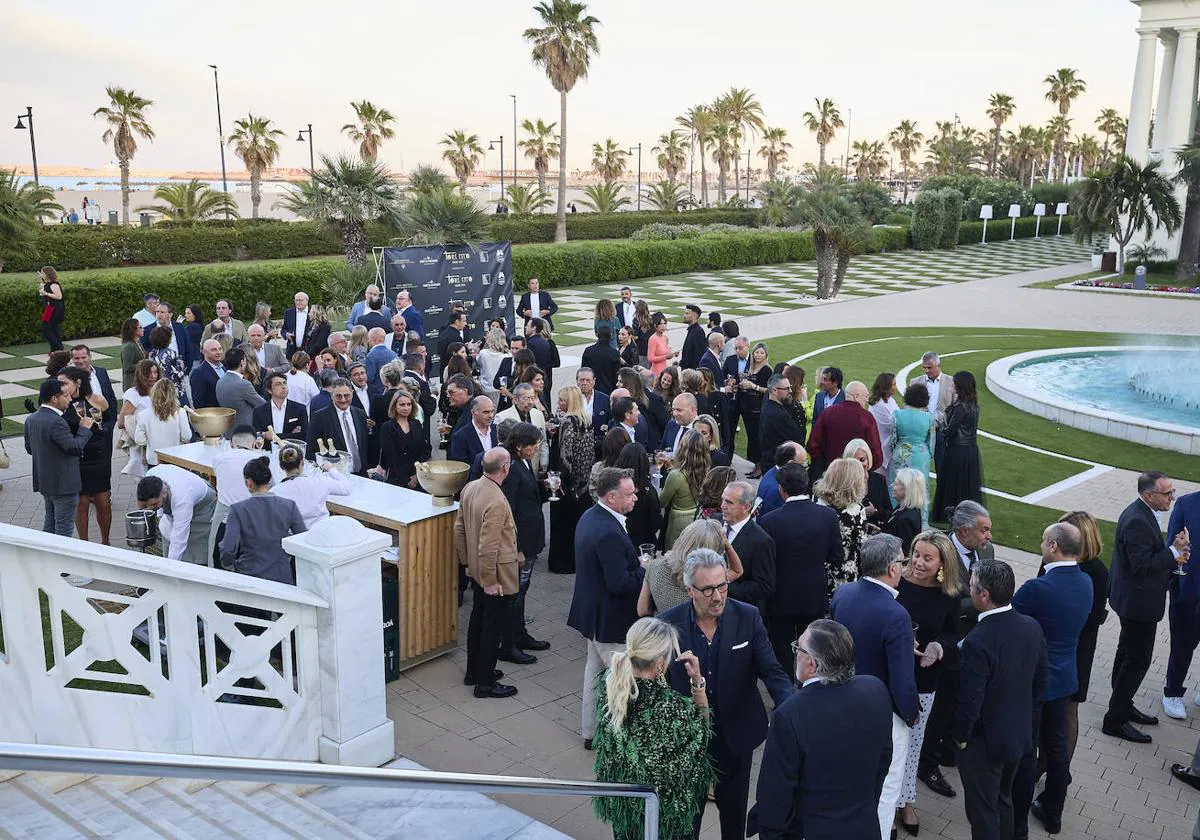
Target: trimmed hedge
586 226
969 233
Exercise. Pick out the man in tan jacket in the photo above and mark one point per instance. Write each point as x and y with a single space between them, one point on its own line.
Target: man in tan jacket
941 394
485 541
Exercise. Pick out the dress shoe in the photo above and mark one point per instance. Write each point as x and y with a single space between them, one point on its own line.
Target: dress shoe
1039 813
469 679
936 782
1184 773
516 656
911 829
1127 732
1142 719
1173 707
530 643
495 690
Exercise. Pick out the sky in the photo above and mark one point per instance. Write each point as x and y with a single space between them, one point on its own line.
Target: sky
440 66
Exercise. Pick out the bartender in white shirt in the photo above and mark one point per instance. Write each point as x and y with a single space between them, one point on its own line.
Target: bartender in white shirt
187 504
231 483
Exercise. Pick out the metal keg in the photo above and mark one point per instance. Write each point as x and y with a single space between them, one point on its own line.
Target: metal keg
141 528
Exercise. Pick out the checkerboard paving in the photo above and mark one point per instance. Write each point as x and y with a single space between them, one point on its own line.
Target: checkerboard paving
22 372
745 292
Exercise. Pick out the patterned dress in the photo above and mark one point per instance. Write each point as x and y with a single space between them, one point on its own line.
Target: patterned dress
852 522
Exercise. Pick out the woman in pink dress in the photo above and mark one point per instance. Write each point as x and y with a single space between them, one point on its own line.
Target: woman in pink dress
659 348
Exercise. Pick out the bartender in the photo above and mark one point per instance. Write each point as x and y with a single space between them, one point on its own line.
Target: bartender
187 504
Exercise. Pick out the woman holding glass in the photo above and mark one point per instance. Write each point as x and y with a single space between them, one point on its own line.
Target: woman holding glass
663 586
572 454
658 346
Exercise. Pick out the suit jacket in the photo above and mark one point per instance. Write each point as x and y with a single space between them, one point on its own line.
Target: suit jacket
821 402
464 443
235 329
608 578
318 339
744 656
1060 601
485 536
449 335
826 758
546 302
604 362
669 435
273 358
601 413
295 342
326 423
945 393
426 399
776 425
695 344
1141 567
883 640
253 530
839 425
377 357
371 320
1003 675
106 391
544 354
413 321
295 419
185 349
524 495
808 543
730 368
656 414
360 309
55 452
204 386
1186 513
235 391
756 550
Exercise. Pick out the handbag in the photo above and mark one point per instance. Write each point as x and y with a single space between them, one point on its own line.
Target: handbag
5 461
47 313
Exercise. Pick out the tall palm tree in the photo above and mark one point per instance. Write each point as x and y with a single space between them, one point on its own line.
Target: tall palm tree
672 153
723 145
563 46
609 159
774 150
745 112
541 146
126 119
699 121
1024 150
371 129
869 161
1058 128
1000 107
462 153
824 207
906 140
1063 87
1123 200
191 202
253 140
1111 124
824 122
1087 153
22 209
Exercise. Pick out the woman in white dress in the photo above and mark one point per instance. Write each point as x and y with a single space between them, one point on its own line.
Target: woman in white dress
883 408
309 492
145 374
495 350
301 386
163 424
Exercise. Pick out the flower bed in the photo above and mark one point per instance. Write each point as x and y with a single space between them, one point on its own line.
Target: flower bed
1128 286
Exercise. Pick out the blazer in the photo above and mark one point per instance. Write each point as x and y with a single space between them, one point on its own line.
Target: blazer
318 339
106 391
524 495
56 452
253 530
945 393
546 302
695 345
273 359
1186 513
360 309
604 362
601 413
235 391
485 538
838 426
377 357
425 400
744 656
295 419
325 423
656 414
1142 566
669 434
808 543
1003 676
608 578
904 523
826 758
756 550
821 402
204 385
449 335
713 363
182 341
413 321
464 443
288 331
776 425
543 353
399 453
1060 601
883 640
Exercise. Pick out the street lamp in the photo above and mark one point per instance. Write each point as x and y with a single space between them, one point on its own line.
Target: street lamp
20 126
639 173
747 175
491 146
220 136
849 120
516 143
300 139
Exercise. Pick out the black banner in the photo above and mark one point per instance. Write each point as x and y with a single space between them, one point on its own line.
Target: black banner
440 278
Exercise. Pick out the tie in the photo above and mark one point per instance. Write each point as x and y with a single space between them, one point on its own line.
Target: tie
972 557
729 533
351 444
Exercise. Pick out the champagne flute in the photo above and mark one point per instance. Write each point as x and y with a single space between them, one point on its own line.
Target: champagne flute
646 553
553 481
1182 559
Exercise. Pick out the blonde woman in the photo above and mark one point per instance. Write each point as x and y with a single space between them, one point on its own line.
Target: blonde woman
663 586
911 498
163 424
357 348
648 733
262 317
682 488
573 455
710 430
495 351
136 398
318 330
842 488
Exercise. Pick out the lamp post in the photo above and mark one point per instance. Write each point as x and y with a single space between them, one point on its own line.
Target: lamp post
849 120
312 168
747 175
639 174
516 142
28 115
220 136
491 146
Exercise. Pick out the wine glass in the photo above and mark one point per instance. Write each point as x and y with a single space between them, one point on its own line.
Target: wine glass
443 428
554 481
646 553
1181 561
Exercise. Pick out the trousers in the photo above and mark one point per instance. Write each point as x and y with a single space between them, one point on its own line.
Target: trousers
782 630
1050 736
59 517
987 792
889 797
1135 648
731 792
598 656
489 615
1184 620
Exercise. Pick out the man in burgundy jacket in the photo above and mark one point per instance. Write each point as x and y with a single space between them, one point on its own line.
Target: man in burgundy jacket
838 425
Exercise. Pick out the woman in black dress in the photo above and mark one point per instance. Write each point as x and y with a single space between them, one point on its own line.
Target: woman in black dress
959 471
53 308
95 465
752 388
911 496
795 375
403 443
572 454
877 503
645 520
193 327
627 347
643 328
318 331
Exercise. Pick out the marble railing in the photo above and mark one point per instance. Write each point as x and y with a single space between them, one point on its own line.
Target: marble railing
109 648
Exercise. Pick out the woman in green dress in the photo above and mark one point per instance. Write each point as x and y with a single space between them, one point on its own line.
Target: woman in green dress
912 439
681 490
649 734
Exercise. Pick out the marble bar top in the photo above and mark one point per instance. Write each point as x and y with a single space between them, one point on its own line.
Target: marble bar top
370 501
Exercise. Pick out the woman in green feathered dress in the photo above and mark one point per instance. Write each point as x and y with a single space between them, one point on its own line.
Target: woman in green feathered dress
649 734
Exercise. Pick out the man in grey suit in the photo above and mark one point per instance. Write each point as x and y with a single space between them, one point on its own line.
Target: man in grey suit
941 394
56 454
235 391
270 357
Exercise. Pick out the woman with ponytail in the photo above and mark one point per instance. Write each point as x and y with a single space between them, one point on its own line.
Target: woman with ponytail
649 734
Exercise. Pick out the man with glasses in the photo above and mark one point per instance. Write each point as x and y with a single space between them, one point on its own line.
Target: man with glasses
1142 566
777 424
731 644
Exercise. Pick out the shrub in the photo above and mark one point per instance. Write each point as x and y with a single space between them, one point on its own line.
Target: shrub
952 207
659 230
588 226
927 219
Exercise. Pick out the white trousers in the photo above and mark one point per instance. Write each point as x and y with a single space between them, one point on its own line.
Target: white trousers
599 654
890 796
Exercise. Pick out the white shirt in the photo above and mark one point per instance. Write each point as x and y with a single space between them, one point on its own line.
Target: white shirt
934 386
679 435
732 530
301 387
95 382
301 323
310 492
535 304
261 355
810 681
631 432
877 582
145 317
485 437
1174 551
174 345
629 310
231 483
55 410
620 516
346 420
278 416
587 405
364 396
155 434
986 613
1060 564
186 491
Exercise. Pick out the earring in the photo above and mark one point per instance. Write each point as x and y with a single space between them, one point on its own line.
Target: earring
940 576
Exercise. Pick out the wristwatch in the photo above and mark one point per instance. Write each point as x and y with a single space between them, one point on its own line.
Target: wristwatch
699 685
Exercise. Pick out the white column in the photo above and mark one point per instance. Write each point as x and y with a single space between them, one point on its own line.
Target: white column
1163 108
338 560
1183 91
1137 137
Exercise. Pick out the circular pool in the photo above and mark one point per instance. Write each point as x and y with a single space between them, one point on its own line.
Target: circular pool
1144 394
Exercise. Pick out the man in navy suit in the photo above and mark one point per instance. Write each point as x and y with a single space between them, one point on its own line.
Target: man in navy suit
1060 602
730 641
333 422
1004 673
734 367
625 413
829 747
754 548
1142 566
829 391
712 357
595 403
883 648
608 578
207 374
808 543
179 339
1184 612
477 436
683 415
539 345
537 304
412 315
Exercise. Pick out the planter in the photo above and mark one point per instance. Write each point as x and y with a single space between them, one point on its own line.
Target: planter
1096 260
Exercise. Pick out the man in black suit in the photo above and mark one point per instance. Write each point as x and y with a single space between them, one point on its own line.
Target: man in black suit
595 403
712 356
374 316
625 413
475 436
543 350
453 332
296 324
733 368
777 423
1142 564
603 360
81 357
207 374
56 454
180 343
524 493
280 418
808 543
683 418
754 548
1003 675
730 641
829 746
537 304
694 342
608 578
414 370
627 308
344 423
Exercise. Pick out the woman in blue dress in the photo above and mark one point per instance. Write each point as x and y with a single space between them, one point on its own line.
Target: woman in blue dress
911 442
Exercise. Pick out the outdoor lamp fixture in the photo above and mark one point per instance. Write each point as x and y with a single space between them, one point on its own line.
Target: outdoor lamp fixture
516 144
20 126
1060 211
491 147
639 173
747 175
220 136
300 139
1014 213
985 213
1039 210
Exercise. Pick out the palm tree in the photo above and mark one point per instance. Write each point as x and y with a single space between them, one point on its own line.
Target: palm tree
126 120
462 153
253 140
22 208
823 206
668 196
1063 87
191 202
563 46
441 217
609 159
672 154
746 114
870 160
604 198
823 122
371 129
699 121
1058 128
425 179
343 195
1187 268
1123 200
906 140
1000 107
723 145
1088 153
1111 124
541 146
526 199
778 200
774 150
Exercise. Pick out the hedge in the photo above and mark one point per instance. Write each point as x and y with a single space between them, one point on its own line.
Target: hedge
969 233
611 225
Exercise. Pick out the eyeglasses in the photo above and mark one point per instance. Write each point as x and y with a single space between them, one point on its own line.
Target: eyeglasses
709 591
797 649
1170 494
784 388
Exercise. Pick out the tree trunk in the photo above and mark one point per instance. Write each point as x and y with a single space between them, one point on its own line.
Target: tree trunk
822 158
255 191
703 180
124 162
824 253
995 151
721 182
843 263
354 243
737 178
541 173
770 171
560 220
905 199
